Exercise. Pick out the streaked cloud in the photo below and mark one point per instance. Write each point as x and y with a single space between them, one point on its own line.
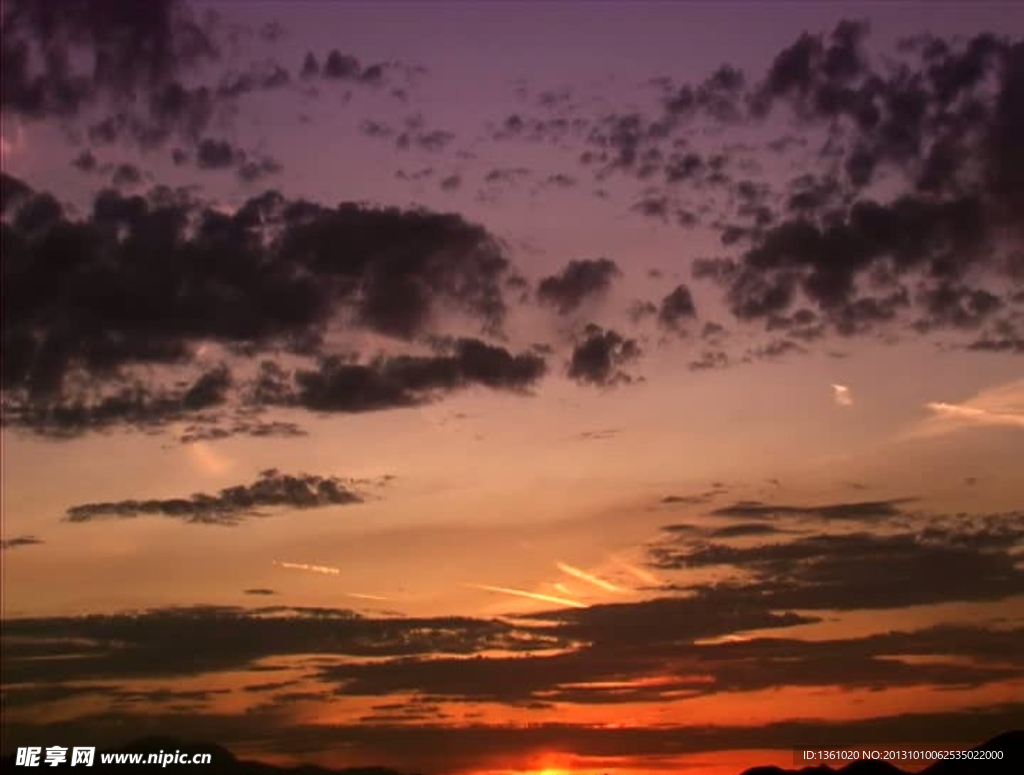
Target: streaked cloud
640 573
14 543
325 569
999 406
590 578
564 601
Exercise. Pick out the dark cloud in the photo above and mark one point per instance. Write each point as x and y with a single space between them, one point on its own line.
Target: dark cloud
18 541
712 330
653 207
940 124
273 31
340 385
937 563
637 640
417 136
684 167
416 175
217 154
228 638
802 324
242 426
620 142
677 308
341 66
688 500
59 58
174 110
578 281
259 591
433 140
372 128
947 103
132 404
957 306
609 656
639 310
141 72
231 505
545 129
261 76
346 68
135 282
825 263
717 269
718 97
85 161
830 76
598 356
115 74
559 180
506 175
810 193
743 529
865 510
253 171
680 632
310 66
126 175
1013 346
773 349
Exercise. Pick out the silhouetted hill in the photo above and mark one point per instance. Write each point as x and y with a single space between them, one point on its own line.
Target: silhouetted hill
222 761
1010 743
854 768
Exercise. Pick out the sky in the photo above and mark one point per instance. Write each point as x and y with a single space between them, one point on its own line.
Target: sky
513 387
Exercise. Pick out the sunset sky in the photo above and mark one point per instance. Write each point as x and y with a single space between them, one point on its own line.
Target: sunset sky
513 387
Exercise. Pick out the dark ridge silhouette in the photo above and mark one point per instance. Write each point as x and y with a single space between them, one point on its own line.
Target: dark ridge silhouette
854 768
1010 743
223 761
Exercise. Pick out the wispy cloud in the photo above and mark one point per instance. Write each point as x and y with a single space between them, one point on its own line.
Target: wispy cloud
842 395
531 595
1002 405
590 578
327 570
642 574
